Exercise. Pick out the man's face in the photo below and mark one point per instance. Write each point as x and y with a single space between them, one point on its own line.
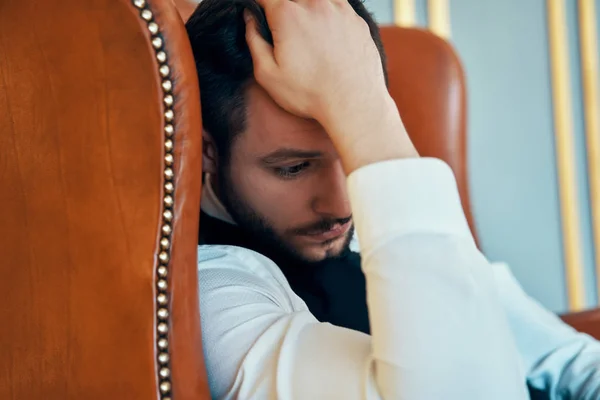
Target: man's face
285 182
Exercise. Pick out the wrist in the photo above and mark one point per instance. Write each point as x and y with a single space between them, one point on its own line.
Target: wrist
351 102
366 129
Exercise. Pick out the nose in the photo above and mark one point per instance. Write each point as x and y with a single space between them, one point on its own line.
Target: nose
331 200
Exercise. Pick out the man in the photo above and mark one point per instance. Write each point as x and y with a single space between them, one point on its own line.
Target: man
302 142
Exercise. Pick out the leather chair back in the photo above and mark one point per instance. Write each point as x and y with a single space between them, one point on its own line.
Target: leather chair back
427 82
100 157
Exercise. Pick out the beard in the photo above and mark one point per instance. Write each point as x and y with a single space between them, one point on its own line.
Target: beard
267 239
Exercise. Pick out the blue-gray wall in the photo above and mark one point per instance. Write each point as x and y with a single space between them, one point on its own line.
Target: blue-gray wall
513 177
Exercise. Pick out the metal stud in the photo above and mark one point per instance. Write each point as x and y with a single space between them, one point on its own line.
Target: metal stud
165 387
162 271
157 43
153 28
147 15
162 299
163 358
164 71
163 328
162 284
163 256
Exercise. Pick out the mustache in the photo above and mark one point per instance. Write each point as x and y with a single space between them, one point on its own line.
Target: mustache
321 226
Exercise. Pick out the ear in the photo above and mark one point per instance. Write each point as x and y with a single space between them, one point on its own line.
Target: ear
209 154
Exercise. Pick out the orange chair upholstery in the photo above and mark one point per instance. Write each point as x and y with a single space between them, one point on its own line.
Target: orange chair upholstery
585 321
100 157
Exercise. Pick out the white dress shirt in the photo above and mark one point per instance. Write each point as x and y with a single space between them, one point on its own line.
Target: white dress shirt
446 324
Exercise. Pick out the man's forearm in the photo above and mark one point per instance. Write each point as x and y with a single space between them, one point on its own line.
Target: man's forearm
438 331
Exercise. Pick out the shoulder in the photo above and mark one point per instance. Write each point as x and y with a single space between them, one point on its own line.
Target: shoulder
224 257
243 297
245 270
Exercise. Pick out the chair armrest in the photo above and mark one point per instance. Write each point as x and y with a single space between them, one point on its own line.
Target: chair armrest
585 321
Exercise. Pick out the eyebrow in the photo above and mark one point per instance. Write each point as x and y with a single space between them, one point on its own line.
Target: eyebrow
287 153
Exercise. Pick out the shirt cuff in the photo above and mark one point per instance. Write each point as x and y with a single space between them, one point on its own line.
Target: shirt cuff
405 196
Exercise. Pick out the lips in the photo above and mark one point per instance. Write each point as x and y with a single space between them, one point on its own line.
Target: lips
336 231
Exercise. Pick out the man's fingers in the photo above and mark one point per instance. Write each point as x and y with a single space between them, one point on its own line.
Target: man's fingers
263 57
268 4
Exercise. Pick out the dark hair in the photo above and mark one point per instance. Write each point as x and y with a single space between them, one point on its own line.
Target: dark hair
217 32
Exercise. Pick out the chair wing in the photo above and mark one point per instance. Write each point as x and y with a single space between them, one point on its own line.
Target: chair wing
100 157
427 83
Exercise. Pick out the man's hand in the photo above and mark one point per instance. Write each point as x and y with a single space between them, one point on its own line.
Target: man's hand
324 65
323 53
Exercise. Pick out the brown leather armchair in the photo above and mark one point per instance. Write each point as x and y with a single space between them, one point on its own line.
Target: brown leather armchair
428 84
100 158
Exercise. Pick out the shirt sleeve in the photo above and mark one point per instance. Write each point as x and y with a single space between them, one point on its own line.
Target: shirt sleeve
437 323
560 362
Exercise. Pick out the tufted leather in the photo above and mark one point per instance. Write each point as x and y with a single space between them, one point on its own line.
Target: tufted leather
81 167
